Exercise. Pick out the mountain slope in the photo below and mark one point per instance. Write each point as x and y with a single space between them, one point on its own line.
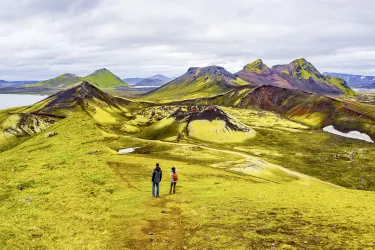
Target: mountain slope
197 82
355 81
299 74
62 81
103 78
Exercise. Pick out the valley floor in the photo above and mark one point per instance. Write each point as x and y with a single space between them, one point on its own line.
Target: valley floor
73 191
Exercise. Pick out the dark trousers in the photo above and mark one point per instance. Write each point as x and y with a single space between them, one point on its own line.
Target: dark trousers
173 185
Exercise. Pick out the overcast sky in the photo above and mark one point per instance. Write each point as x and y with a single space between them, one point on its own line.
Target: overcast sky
41 39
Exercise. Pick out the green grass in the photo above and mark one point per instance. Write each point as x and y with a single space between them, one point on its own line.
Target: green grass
222 209
68 205
73 191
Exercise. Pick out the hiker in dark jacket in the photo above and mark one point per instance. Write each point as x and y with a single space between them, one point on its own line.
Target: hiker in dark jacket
156 179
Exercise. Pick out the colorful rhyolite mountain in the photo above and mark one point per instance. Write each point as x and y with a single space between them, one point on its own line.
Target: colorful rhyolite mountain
214 80
298 74
102 78
197 82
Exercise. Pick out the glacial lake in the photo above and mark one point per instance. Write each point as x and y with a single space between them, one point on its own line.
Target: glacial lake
14 100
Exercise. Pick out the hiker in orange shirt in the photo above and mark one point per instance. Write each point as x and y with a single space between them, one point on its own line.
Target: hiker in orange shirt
174 179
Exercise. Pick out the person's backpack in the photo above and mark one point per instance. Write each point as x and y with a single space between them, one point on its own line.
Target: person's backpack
174 176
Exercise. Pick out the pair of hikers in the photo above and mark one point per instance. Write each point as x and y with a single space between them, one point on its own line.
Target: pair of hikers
157 175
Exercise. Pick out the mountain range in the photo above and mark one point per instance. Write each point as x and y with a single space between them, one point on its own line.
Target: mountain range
102 78
213 80
155 81
355 81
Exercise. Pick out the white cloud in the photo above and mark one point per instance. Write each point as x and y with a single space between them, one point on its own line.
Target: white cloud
40 39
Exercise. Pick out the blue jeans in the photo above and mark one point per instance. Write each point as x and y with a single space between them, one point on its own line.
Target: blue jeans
157 188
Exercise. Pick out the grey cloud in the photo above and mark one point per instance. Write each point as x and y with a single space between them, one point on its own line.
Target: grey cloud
41 39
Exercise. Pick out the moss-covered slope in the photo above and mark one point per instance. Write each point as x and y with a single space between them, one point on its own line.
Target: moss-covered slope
197 82
205 123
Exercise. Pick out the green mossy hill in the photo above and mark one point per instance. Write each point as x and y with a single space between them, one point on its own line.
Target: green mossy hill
204 123
83 96
298 74
195 83
103 78
105 109
62 81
